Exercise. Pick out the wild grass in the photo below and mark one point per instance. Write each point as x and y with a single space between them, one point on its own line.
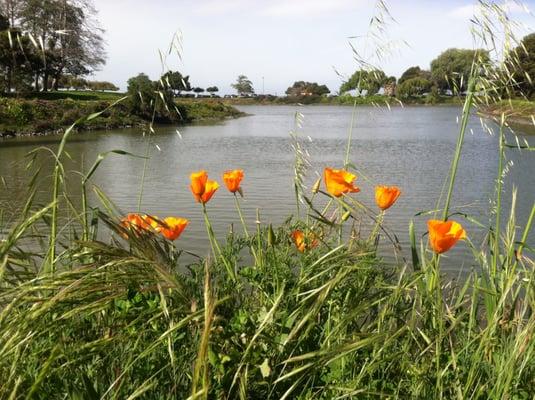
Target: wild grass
125 317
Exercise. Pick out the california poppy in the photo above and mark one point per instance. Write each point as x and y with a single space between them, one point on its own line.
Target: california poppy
171 227
339 181
233 179
302 242
136 221
201 187
444 234
386 196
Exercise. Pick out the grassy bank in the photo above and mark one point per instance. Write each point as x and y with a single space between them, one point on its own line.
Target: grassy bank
53 112
517 112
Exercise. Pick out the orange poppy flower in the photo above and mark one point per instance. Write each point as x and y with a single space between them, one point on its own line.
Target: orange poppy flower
171 227
339 181
233 179
136 221
444 234
386 196
302 242
201 187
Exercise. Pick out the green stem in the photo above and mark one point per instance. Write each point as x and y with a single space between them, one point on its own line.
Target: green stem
460 141
50 266
350 135
376 226
241 216
496 247
216 250
142 184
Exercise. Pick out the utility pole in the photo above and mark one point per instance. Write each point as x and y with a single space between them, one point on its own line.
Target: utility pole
262 85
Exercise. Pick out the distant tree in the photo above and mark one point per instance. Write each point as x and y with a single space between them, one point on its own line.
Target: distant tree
141 92
212 89
243 85
414 87
451 69
71 35
362 80
17 60
522 60
101 85
414 72
176 82
301 88
198 90
390 86
78 83
149 99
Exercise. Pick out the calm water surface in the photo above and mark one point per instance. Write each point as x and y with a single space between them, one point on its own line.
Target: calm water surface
410 147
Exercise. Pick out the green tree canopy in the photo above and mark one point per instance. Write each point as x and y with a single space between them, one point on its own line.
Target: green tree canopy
212 89
523 61
414 72
141 92
243 85
451 69
414 87
176 82
362 80
69 33
301 88
102 85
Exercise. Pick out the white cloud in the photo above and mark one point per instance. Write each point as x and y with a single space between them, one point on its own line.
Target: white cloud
297 8
463 12
214 7
469 10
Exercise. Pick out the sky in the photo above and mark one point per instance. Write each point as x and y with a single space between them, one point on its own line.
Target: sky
277 42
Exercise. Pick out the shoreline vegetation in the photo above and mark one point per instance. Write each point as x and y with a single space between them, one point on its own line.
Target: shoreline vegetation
53 112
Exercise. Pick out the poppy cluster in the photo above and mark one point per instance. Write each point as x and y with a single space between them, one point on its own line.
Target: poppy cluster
443 235
169 227
203 189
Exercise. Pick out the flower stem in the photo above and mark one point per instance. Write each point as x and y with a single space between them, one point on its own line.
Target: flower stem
215 245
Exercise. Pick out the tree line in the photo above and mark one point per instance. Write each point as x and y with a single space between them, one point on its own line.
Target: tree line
449 73
43 41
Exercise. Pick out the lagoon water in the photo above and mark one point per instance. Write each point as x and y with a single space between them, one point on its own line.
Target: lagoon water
410 147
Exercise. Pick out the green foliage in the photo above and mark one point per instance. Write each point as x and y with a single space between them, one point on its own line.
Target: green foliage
414 72
301 88
176 82
212 89
414 87
61 53
523 65
452 68
363 80
150 101
243 86
52 111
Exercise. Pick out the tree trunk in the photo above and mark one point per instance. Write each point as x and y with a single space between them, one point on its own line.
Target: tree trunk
9 79
36 82
45 81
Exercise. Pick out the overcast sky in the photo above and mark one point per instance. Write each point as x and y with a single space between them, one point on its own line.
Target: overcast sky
279 40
